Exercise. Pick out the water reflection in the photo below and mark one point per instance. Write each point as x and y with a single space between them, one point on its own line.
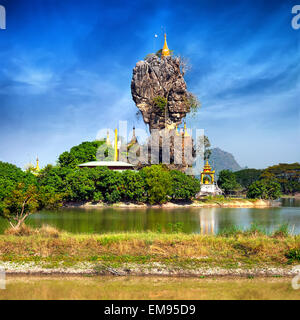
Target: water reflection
207 217
193 220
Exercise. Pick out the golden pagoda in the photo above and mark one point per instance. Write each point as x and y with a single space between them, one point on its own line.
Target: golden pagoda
37 168
107 139
165 50
186 134
207 171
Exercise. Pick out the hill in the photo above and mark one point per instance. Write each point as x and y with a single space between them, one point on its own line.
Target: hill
221 160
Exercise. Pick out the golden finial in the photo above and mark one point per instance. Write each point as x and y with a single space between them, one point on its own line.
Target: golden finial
37 168
185 131
165 50
116 145
107 139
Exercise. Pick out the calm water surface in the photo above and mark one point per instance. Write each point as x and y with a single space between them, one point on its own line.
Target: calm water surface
140 288
196 220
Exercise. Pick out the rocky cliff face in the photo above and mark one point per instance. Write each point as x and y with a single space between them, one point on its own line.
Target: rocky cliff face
222 160
153 78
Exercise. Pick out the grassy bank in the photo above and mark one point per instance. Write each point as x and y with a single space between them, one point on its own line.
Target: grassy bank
134 252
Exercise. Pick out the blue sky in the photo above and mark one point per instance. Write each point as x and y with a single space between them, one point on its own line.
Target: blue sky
66 67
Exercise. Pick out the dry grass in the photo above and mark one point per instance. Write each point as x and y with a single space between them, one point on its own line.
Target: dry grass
196 250
24 230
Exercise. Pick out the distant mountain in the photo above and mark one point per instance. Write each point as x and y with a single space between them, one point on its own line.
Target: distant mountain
222 160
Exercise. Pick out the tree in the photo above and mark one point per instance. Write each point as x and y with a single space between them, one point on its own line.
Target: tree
264 189
134 186
10 176
184 187
79 185
84 152
19 204
158 183
246 177
227 181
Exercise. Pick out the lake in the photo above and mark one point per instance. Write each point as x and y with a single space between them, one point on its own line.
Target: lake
140 288
193 220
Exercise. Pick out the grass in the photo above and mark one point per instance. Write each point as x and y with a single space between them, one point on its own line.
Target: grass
232 248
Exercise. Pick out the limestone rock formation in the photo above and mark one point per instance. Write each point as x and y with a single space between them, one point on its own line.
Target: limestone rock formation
160 78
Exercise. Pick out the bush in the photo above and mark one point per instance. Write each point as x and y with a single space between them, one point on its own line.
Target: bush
293 254
158 183
134 186
84 152
11 176
184 187
264 189
246 177
227 181
78 185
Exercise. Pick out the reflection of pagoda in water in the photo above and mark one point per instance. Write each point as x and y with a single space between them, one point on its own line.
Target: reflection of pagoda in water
207 219
208 184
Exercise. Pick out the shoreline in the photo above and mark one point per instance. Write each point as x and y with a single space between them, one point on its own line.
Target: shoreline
239 203
148 270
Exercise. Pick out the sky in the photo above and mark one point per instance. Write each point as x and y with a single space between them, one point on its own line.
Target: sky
66 68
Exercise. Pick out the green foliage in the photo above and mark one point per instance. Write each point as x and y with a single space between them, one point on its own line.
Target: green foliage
19 204
105 153
158 183
134 186
288 175
193 103
293 255
160 102
227 181
246 177
10 176
264 189
84 152
78 185
54 177
184 187
282 231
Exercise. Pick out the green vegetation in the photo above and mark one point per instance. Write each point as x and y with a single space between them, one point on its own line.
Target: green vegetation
21 195
264 189
293 255
270 183
184 187
84 152
227 182
160 102
154 184
246 177
287 175
240 249
193 104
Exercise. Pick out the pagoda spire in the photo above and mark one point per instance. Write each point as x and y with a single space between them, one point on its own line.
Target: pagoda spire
37 168
165 50
107 138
